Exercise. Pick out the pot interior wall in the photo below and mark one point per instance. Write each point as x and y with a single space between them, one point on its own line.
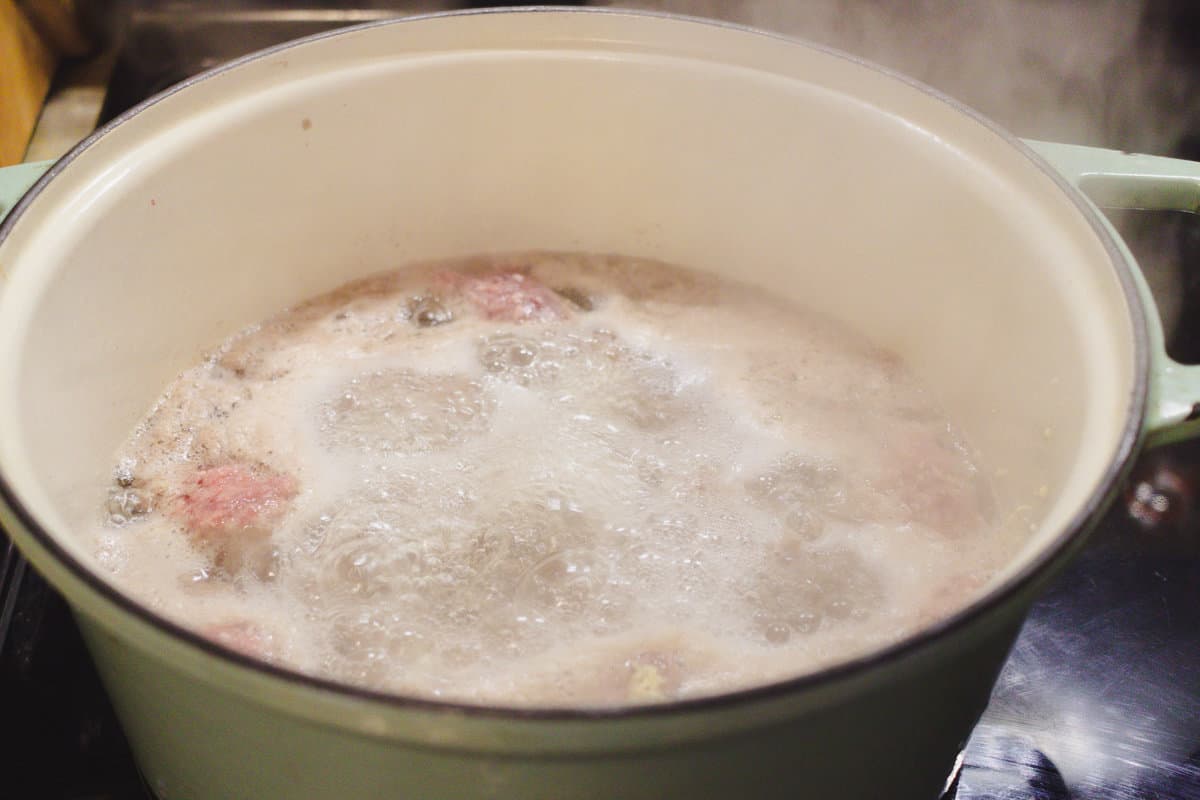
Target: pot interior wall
785 166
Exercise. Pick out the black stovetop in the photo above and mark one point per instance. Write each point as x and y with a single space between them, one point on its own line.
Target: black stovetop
1100 698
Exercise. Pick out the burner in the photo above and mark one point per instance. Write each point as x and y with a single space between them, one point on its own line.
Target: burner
62 740
1008 767
1180 783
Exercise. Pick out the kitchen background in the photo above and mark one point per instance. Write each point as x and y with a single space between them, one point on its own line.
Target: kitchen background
1101 697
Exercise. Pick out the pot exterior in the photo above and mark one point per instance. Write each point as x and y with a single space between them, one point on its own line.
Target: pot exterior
896 738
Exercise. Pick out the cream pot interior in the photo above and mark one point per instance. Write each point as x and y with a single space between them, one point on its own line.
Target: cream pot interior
725 150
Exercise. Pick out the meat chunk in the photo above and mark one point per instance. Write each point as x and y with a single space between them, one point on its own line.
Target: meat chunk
231 509
510 297
934 485
244 636
224 499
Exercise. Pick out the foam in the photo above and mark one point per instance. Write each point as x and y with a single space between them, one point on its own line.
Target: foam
682 487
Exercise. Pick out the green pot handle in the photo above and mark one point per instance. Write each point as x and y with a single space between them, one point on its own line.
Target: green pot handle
1113 179
16 180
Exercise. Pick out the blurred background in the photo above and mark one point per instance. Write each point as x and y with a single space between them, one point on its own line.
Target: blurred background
1101 697
1105 72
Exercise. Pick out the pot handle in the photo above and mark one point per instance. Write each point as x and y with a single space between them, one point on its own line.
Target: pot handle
1115 179
16 180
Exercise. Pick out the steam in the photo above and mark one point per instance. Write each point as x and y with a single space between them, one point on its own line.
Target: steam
1101 72
1089 73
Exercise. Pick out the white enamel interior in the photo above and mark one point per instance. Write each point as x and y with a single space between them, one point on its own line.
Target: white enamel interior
779 164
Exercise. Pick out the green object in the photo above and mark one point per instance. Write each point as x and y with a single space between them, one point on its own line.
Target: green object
15 181
1113 179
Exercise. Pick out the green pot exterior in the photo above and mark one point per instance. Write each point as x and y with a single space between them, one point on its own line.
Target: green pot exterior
894 732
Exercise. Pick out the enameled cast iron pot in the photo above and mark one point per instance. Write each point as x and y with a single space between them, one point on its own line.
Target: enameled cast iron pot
976 256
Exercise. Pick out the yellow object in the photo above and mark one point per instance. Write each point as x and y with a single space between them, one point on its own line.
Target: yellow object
58 24
646 683
26 66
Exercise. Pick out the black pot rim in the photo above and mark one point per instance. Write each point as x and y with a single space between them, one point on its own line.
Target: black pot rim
1059 548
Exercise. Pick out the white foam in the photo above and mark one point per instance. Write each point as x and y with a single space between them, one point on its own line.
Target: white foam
688 489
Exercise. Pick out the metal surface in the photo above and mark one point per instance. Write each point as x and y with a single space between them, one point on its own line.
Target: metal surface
72 109
1101 695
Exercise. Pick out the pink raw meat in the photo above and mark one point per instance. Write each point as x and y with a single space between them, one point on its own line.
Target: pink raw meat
242 635
231 510
234 496
510 296
932 483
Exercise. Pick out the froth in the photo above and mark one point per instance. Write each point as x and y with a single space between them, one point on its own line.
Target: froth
549 479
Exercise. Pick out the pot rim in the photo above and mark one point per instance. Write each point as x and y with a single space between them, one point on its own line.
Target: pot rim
1059 547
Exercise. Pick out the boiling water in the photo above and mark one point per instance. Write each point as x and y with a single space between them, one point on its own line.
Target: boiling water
552 480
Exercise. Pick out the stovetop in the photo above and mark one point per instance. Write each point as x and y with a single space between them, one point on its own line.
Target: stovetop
1100 698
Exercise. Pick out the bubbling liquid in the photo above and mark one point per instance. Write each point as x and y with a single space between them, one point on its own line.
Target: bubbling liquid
549 480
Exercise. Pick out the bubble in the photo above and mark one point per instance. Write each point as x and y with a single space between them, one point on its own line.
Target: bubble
651 469
849 588
803 524
359 637
124 473
524 360
798 591
603 340
799 482
125 505
648 402
672 528
640 389
486 548
429 312
777 632
365 645
641 557
564 585
403 411
603 378
365 547
528 533
265 563
361 566
805 494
